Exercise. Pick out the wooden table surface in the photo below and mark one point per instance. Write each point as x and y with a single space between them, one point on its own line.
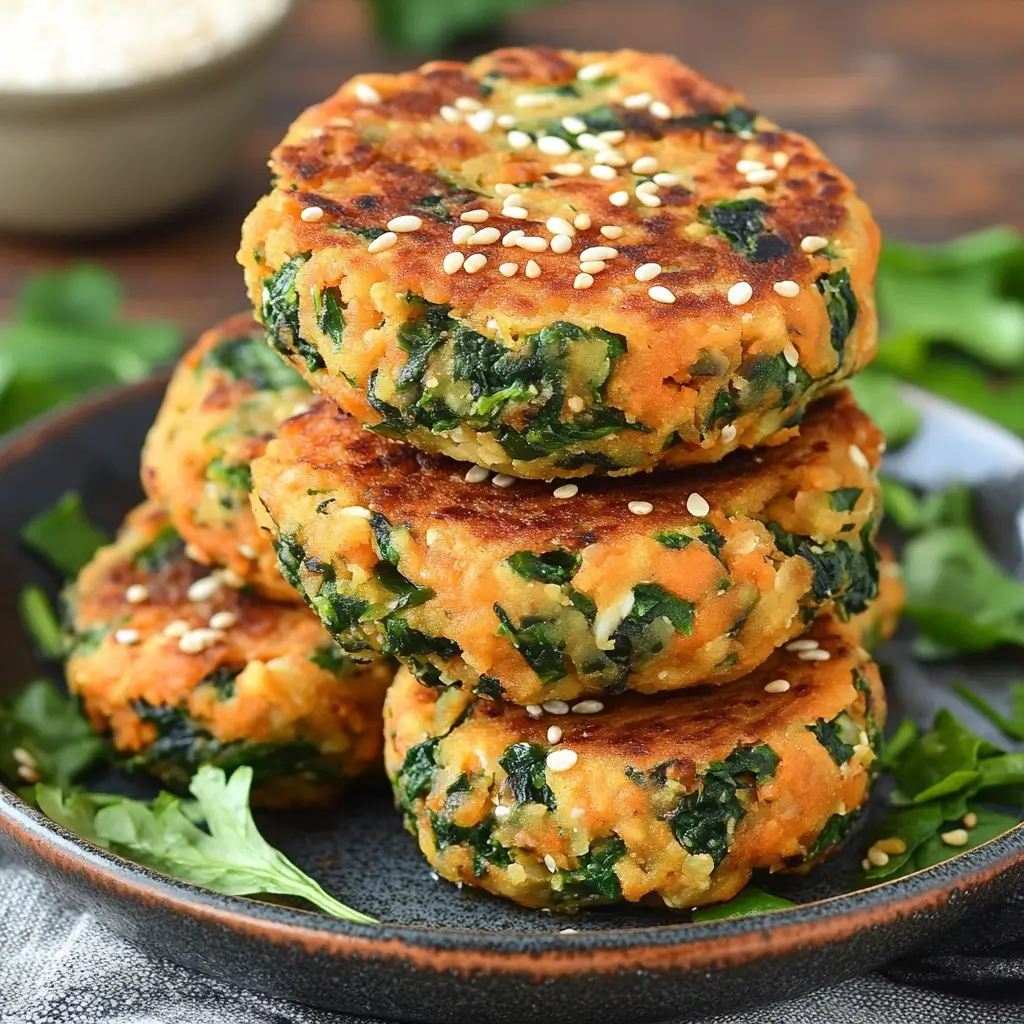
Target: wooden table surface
920 101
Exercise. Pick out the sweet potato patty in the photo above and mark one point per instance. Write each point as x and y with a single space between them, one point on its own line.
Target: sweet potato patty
677 796
223 404
181 670
556 264
531 592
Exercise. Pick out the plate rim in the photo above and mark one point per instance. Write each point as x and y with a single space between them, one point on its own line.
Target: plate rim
683 946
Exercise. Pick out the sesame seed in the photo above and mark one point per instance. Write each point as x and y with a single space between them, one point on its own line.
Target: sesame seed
780 160
570 169
581 221
566 491
892 845
311 214
763 177
137 593
554 734
504 188
660 109
613 136
467 103
740 293
549 863
532 243
195 641
589 141
561 243
587 707
637 100
777 686
532 269
813 243
562 760
179 627
452 263
858 458
970 820
516 212
640 508
450 114
589 72
193 553
502 480
661 294
818 655
508 269
645 165
223 620
955 837
592 266
485 236
559 226
611 231
611 158
696 505
647 271
599 252
513 199
582 281
248 551
746 166
576 403
481 120
534 710
877 858
535 99
23 757
463 233
619 198
356 511
603 172
803 645
577 812
432 536
407 222
474 216
648 199
553 145
501 811
476 475
203 589
518 139
574 125
127 636
366 93
28 774
382 242
787 289
555 707
729 433
790 354
512 237
666 179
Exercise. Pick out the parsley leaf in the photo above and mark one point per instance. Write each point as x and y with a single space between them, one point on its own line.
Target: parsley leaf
47 726
64 535
229 855
68 337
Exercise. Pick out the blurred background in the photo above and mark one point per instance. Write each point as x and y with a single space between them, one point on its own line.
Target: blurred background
920 101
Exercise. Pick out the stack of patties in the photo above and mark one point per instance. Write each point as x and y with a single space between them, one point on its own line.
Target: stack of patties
583 462
188 648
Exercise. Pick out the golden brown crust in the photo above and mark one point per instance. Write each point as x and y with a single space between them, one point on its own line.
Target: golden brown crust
214 420
363 163
637 758
144 636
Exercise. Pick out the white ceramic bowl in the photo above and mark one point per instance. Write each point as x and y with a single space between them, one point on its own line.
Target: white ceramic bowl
110 159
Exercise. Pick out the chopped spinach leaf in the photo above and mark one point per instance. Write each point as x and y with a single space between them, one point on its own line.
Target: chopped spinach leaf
830 736
163 549
251 360
525 765
741 223
557 566
594 880
844 499
841 304
485 848
536 641
279 312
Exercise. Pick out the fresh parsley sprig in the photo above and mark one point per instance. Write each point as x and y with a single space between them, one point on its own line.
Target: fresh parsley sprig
228 856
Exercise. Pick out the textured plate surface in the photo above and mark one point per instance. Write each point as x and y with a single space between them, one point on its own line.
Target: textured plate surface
444 954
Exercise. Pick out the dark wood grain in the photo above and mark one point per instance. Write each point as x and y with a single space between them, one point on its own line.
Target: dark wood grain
921 101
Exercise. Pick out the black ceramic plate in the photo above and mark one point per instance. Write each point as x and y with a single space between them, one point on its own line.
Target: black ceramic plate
447 955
